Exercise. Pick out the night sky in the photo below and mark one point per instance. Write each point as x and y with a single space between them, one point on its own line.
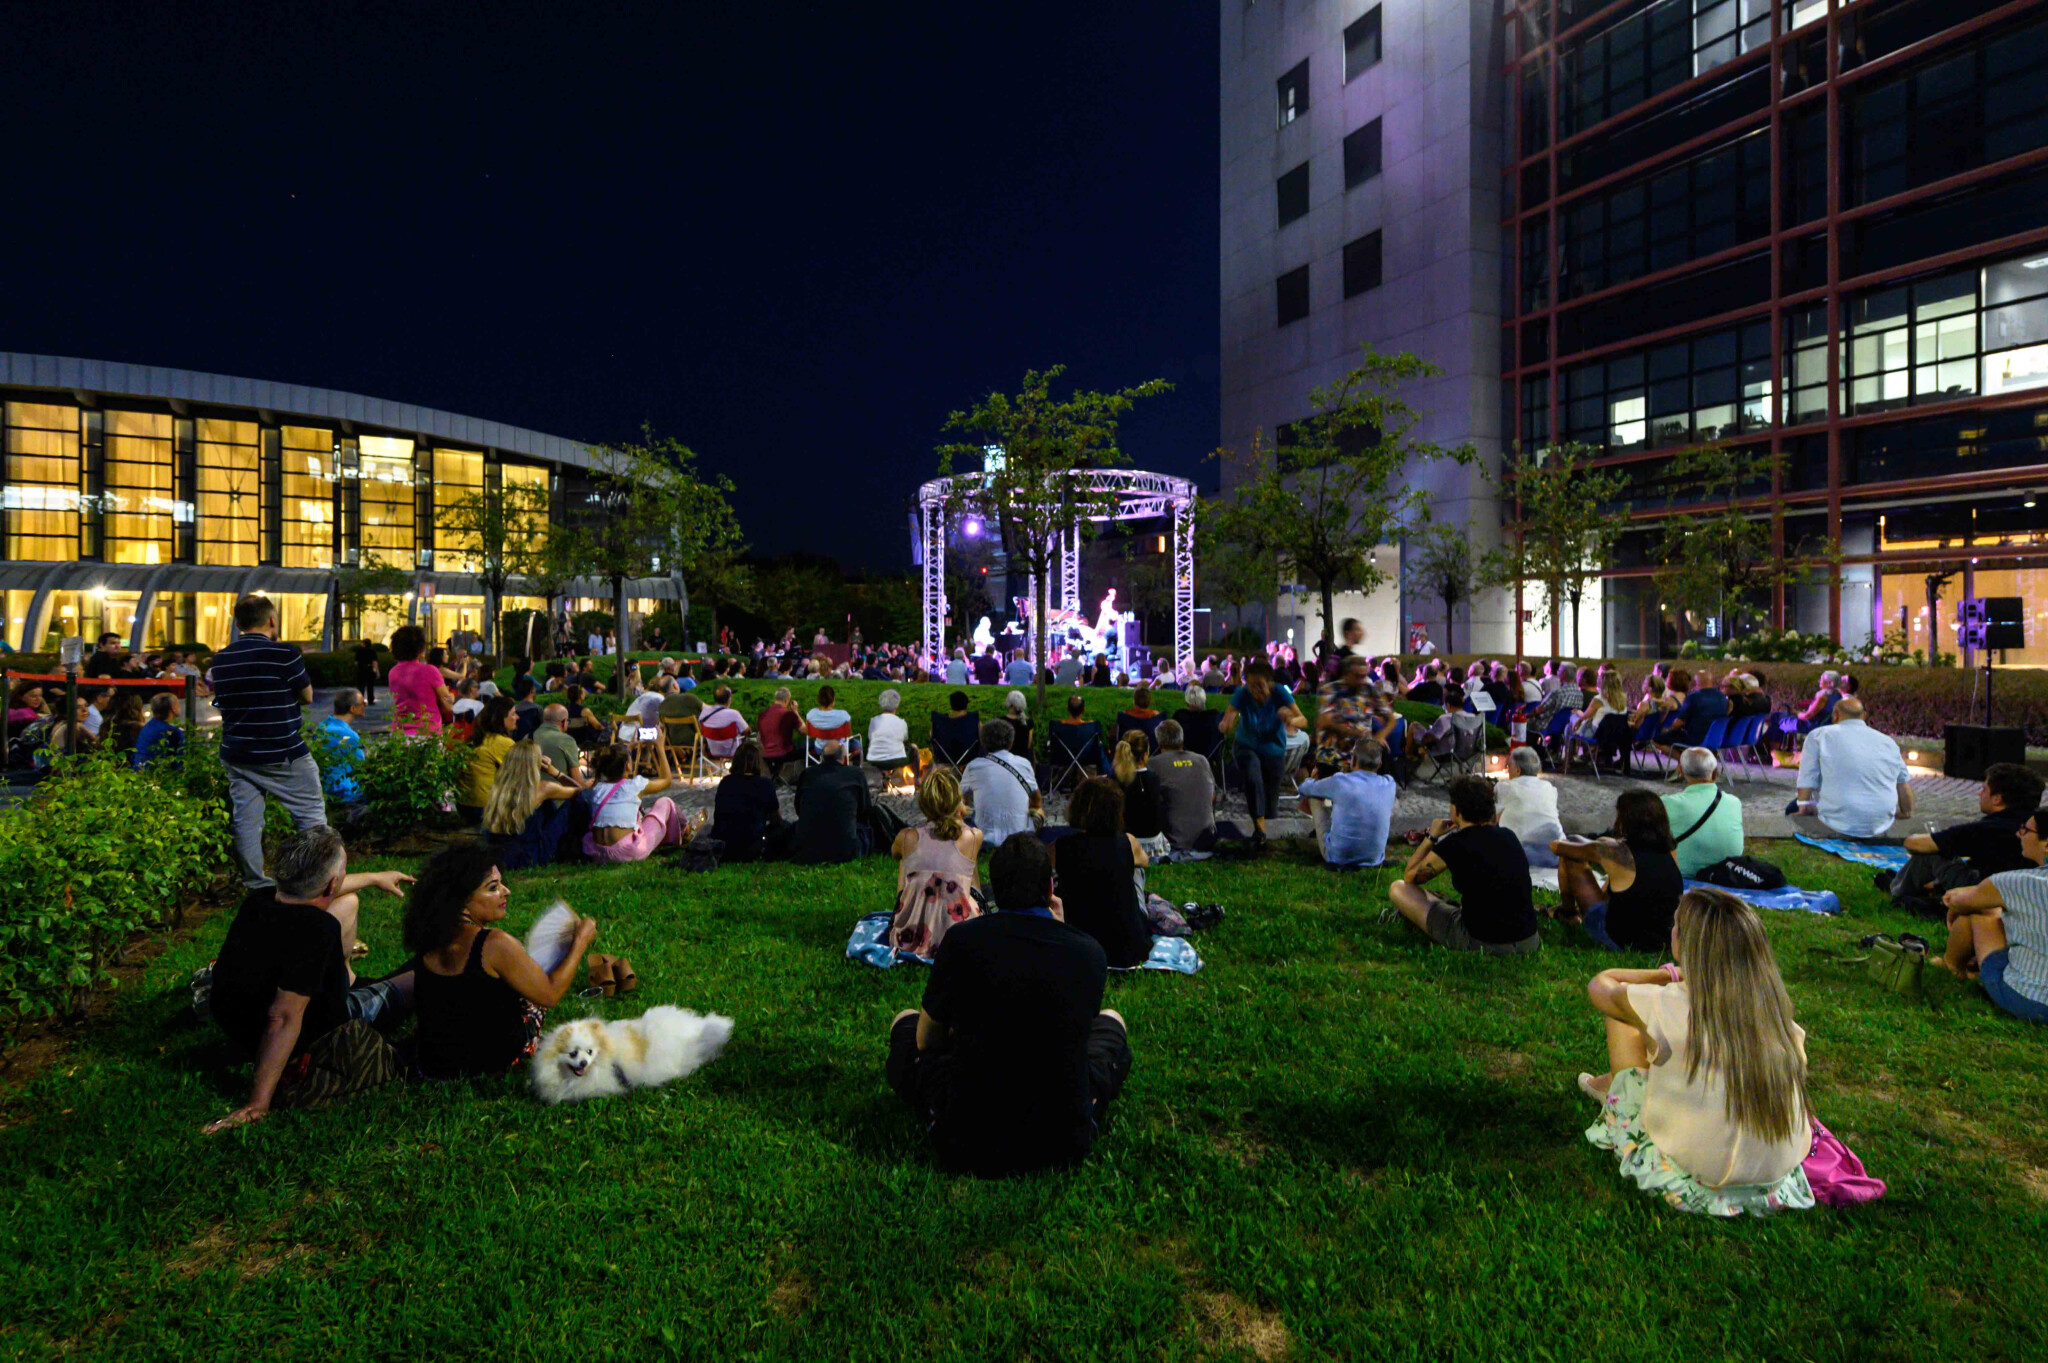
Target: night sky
794 236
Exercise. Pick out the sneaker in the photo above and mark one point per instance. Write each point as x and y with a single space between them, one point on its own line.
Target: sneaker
1201 917
1883 880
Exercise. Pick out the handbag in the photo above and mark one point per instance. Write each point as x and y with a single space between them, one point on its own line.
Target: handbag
1899 964
1743 873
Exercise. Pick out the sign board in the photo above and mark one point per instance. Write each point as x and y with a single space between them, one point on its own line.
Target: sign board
426 591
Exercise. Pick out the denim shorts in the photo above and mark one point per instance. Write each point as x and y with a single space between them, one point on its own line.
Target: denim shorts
1991 974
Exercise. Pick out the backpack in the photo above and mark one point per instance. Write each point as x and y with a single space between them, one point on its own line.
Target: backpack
1743 873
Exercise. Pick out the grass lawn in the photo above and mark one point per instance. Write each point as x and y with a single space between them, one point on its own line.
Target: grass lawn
1337 1142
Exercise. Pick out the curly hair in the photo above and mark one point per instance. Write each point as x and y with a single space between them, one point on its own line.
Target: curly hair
437 902
407 643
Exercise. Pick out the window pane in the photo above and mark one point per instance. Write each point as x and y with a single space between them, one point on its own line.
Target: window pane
307 498
228 494
385 480
41 498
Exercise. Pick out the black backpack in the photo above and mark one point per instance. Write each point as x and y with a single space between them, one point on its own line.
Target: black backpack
1743 873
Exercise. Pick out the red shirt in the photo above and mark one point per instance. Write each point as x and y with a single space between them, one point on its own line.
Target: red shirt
778 731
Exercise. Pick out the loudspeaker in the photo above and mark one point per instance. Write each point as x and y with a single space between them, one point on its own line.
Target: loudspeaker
1133 633
2005 622
1968 749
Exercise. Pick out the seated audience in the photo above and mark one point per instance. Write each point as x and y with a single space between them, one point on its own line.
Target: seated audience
1998 929
1965 853
478 996
1429 687
467 701
826 717
1704 1102
889 737
936 870
1496 909
956 734
1096 864
1528 806
999 786
1344 712
344 749
956 668
161 738
1017 714
584 726
1706 821
26 704
1852 779
524 688
1657 700
1353 809
1821 709
1187 792
1746 699
1261 713
1018 672
1012 1062
1143 819
1139 713
1568 692
1077 736
1688 724
778 730
987 671
1630 910
124 724
619 830
283 991
833 806
746 813
488 744
557 741
531 819
719 726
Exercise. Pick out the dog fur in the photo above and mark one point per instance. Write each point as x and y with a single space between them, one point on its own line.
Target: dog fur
592 1058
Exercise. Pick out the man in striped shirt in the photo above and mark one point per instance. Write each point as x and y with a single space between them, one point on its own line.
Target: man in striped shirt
259 685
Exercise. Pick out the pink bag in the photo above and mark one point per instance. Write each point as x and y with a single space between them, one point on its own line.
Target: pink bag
1835 1174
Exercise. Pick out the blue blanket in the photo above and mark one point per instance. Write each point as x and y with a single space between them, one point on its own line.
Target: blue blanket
1886 858
1791 897
870 945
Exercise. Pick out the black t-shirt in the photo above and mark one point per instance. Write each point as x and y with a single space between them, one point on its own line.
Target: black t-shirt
1639 917
1101 896
1017 994
832 804
1427 692
273 946
1991 843
366 660
111 665
1490 872
1503 699
1142 817
742 811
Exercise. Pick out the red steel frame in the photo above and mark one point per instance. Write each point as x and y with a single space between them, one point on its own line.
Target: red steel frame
1536 18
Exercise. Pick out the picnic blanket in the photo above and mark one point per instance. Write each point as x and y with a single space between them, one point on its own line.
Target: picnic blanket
1789 898
1886 858
869 945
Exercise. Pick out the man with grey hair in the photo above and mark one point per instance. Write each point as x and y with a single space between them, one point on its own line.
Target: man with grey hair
1353 810
1528 806
1187 790
1852 779
1706 820
283 989
1000 786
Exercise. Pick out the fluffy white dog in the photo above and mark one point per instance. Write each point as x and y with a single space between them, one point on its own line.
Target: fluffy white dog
596 1059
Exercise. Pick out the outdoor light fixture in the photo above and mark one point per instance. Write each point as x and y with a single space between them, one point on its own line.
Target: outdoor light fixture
971 527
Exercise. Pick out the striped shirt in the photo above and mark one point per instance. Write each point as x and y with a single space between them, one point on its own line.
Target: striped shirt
2025 894
256 682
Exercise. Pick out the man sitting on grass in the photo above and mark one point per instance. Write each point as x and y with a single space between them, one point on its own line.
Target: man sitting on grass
1187 791
1353 810
1965 853
1852 779
1706 820
1000 787
1012 1062
283 989
833 805
1496 912
1998 928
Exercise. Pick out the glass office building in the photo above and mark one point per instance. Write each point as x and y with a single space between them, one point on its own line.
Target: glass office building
144 501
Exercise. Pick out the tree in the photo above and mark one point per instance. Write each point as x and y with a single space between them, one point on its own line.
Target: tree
1035 449
648 512
720 579
1564 530
371 587
1334 490
1446 569
1230 576
504 531
1717 555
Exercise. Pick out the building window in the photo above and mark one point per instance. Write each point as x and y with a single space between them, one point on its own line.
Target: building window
1951 337
1711 387
307 502
1293 89
2016 325
1362 44
1683 212
229 500
136 500
458 490
1806 363
43 472
384 478
1290 293
526 501
1362 265
1362 154
1980 105
1535 264
1652 49
1292 191
1535 413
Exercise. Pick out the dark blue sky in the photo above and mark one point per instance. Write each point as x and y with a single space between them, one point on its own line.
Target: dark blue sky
792 235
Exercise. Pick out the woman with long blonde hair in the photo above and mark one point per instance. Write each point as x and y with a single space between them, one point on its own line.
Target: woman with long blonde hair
1143 817
1704 1102
529 816
936 874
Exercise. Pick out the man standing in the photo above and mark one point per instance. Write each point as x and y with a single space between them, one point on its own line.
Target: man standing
1012 1062
259 686
109 661
366 670
1852 779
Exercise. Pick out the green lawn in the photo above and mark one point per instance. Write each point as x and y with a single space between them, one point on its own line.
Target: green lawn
1337 1142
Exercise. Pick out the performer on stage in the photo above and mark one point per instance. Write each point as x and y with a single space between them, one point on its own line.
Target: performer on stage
984 637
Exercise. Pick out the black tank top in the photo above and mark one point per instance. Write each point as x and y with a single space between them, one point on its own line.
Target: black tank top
1141 806
1100 897
1639 917
468 1023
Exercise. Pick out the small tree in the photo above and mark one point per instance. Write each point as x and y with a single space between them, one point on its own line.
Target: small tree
1033 445
1713 553
1564 530
1333 492
1446 568
505 532
370 587
1229 574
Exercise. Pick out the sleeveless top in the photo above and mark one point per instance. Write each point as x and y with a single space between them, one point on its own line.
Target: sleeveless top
1639 918
1142 819
936 893
469 1023
1101 895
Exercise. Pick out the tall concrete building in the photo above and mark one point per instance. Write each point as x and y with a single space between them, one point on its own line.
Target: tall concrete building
1361 202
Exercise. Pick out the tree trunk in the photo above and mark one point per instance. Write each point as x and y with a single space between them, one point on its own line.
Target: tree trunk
1450 625
1576 598
624 632
1041 586
1329 612
491 600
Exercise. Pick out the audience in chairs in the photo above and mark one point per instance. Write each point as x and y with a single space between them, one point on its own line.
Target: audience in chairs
888 749
956 735
1000 787
833 806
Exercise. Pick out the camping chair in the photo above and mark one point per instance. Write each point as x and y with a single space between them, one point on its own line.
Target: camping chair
1149 727
1556 733
1202 735
684 742
956 742
817 737
1468 745
1611 735
728 732
1645 737
1068 760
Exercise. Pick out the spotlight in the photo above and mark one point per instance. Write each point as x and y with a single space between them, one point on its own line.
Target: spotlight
971 527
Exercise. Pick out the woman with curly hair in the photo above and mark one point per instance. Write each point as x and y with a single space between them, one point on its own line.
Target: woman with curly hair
478 997
420 700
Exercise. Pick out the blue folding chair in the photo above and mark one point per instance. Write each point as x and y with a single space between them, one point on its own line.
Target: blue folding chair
1553 734
1646 737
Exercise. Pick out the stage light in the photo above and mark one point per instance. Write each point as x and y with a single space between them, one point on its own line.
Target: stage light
971 527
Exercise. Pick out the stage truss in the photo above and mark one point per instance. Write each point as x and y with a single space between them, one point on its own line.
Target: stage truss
1137 495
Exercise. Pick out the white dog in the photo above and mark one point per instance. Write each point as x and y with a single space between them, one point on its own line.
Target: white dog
596 1059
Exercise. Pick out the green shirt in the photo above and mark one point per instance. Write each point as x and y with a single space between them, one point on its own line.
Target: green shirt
1719 837
559 748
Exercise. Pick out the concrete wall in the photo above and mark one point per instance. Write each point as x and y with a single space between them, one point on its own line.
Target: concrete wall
1437 90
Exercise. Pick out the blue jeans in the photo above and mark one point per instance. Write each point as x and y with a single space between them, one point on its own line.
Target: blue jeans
1595 924
1261 775
1991 974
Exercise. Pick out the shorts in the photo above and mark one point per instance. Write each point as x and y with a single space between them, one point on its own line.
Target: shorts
1446 926
921 1079
376 1003
1595 924
1991 974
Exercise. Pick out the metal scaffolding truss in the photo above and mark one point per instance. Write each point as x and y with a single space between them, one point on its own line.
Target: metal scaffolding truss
1127 494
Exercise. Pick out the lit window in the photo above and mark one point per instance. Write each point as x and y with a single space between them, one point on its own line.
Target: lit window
1293 88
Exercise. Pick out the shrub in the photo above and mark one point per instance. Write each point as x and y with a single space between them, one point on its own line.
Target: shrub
410 780
585 623
101 853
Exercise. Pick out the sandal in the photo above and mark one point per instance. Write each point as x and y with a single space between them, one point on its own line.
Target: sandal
622 973
602 973
359 950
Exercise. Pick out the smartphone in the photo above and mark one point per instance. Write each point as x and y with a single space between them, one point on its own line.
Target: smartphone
648 735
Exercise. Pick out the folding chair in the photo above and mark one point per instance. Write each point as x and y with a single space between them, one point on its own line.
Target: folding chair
1555 733
1149 727
1714 740
1202 734
1060 753
956 742
1468 742
706 763
1645 737
816 737
1611 734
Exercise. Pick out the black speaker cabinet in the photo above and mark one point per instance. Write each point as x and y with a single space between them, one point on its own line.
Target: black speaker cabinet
1967 749
2005 622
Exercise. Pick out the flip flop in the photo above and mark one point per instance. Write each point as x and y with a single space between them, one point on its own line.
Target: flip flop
623 974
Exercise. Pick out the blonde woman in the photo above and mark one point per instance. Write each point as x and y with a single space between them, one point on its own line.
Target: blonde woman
1656 700
1704 1101
1142 817
531 812
935 877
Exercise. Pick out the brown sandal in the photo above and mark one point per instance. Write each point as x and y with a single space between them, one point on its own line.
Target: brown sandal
603 976
622 972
